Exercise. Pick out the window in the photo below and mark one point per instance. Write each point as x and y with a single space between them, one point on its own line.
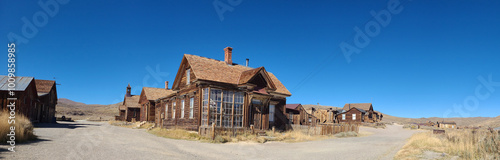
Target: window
290 117
353 116
223 108
166 111
271 112
204 107
173 110
191 106
188 76
343 116
182 109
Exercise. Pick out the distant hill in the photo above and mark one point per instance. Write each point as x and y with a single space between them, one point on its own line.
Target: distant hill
79 111
468 121
493 122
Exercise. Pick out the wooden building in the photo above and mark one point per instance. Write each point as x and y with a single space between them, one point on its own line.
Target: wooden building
147 101
352 115
298 115
130 109
47 94
36 99
444 124
368 114
231 96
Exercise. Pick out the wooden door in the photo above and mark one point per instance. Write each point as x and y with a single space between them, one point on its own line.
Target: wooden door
257 116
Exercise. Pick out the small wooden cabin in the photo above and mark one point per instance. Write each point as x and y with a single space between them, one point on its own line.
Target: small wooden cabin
353 115
231 96
444 124
27 102
147 101
369 115
297 114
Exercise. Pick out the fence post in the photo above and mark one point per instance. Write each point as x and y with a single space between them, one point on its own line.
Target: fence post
213 131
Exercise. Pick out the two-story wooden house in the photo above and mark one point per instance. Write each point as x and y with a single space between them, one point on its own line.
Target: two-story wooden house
229 95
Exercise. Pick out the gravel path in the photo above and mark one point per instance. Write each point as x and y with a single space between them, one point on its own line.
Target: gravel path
99 140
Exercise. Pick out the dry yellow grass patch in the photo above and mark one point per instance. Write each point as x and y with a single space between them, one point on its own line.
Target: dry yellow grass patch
23 128
176 134
463 143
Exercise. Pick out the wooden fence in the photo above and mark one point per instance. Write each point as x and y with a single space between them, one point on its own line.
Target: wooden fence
326 129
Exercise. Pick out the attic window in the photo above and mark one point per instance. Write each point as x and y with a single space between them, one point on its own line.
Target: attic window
188 76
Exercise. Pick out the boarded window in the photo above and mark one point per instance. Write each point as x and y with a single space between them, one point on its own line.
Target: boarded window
191 106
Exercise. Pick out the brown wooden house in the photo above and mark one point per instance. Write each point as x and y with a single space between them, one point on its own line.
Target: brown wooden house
368 114
353 115
147 101
130 109
209 91
47 94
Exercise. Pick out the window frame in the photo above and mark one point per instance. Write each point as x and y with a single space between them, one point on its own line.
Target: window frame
191 108
166 110
183 108
188 76
343 116
354 116
272 111
173 110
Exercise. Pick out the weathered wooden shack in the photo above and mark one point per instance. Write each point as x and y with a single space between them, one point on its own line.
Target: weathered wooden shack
47 94
26 102
228 95
297 114
147 101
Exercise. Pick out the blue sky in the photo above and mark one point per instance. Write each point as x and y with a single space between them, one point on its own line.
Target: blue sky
424 63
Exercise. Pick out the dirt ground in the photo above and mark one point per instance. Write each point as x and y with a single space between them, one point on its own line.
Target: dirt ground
99 140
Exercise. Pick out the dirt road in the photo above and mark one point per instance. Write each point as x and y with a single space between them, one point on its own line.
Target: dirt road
99 140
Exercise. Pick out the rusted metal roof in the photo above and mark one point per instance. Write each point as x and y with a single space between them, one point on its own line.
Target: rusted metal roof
21 83
292 106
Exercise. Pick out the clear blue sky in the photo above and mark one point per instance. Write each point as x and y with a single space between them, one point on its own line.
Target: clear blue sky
427 58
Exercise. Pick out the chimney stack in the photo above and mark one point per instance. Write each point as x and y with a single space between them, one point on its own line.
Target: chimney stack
166 85
228 53
247 62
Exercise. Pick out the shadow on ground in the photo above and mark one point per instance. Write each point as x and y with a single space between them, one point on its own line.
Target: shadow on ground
69 125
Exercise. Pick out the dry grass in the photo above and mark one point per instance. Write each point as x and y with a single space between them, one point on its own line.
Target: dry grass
289 136
23 128
176 134
462 143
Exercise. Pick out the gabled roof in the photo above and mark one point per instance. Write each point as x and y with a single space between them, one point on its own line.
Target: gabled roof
363 106
218 71
131 102
292 106
21 83
156 93
44 86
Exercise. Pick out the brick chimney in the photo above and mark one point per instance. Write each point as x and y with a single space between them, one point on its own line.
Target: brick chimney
166 85
228 54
